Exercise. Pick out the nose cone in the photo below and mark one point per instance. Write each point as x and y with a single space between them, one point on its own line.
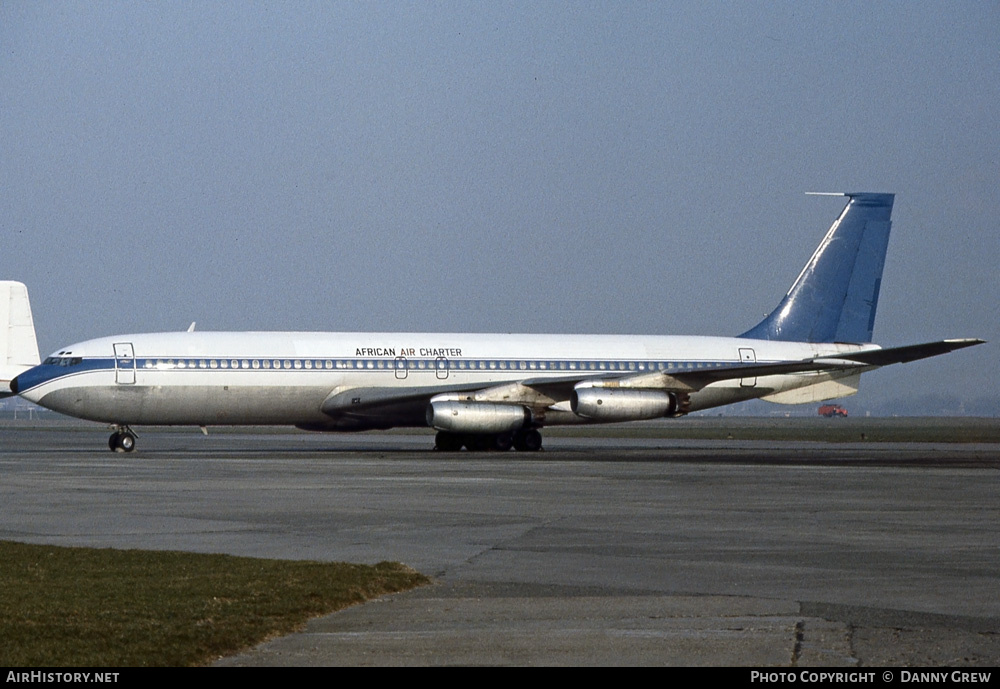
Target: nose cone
26 383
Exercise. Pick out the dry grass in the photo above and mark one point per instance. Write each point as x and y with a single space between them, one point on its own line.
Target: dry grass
87 607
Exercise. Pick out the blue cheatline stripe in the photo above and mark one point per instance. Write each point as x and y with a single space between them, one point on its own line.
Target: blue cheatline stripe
58 368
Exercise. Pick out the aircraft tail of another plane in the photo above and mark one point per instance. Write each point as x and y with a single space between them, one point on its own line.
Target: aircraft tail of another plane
835 296
18 346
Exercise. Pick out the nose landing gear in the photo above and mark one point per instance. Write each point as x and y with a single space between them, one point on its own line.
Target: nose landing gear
122 440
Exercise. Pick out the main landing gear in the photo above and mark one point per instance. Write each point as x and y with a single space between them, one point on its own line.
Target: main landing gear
523 441
122 440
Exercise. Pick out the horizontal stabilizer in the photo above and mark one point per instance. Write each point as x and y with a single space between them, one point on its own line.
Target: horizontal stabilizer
901 355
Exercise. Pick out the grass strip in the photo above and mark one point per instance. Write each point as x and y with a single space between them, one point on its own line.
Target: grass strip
85 607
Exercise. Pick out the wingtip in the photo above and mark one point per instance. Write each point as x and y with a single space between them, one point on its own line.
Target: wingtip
965 341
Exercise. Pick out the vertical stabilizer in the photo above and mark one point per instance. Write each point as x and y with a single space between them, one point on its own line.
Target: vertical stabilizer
835 296
18 347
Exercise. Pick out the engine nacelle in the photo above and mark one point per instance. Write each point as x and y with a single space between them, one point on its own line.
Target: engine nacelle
477 417
618 404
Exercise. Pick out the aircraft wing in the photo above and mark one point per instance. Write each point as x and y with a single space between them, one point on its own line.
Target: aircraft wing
692 381
539 392
354 400
365 401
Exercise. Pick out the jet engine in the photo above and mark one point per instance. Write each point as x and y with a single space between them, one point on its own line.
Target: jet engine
477 417
618 404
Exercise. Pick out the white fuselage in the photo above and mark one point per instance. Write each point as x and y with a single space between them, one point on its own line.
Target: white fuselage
290 378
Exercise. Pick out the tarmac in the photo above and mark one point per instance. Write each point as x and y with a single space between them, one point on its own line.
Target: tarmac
649 551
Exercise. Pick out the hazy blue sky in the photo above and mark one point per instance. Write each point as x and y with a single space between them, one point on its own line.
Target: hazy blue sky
515 167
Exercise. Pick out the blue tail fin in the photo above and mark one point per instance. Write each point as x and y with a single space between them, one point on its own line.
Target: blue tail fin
835 296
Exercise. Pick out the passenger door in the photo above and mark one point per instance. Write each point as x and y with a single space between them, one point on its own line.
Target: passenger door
124 363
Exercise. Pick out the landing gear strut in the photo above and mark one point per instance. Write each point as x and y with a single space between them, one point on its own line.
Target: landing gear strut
122 440
523 441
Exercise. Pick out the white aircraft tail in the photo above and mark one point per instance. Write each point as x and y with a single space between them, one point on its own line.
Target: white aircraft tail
18 346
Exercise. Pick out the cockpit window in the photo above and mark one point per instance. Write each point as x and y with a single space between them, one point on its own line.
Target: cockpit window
63 360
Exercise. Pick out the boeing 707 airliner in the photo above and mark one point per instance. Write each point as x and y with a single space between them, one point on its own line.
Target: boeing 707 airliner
491 391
